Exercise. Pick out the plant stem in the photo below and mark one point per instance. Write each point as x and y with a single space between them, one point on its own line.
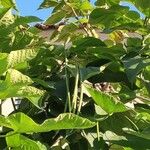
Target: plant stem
98 135
68 101
75 94
81 99
68 91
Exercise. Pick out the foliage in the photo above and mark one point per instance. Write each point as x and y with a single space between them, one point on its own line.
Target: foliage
76 89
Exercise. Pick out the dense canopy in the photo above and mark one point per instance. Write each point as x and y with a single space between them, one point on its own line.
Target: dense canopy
76 89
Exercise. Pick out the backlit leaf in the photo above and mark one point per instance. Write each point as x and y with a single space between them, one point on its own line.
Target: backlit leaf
21 123
108 103
18 141
48 3
56 17
20 56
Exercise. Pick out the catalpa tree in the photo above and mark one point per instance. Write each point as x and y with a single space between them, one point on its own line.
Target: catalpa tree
86 86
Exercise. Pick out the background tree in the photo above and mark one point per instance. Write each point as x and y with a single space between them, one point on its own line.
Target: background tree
76 87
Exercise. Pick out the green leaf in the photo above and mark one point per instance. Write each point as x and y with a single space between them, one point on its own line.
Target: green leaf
108 2
21 123
108 103
20 56
87 42
144 115
18 141
59 6
138 134
48 3
56 17
93 142
146 73
131 42
31 93
112 53
8 4
133 66
105 53
132 141
99 110
67 30
88 72
3 11
126 94
4 122
16 85
81 5
116 122
13 82
16 78
3 62
142 5
86 5
49 85
6 18
27 19
132 16
103 17
109 18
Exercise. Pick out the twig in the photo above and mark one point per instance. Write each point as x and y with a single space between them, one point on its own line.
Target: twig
98 135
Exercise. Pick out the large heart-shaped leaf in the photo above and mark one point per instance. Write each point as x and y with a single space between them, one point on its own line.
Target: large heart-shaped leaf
108 103
21 123
17 85
16 78
20 56
16 58
18 141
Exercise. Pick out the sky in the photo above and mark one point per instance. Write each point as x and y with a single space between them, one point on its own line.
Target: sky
29 8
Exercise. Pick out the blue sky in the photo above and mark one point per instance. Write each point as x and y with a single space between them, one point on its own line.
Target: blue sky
29 7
